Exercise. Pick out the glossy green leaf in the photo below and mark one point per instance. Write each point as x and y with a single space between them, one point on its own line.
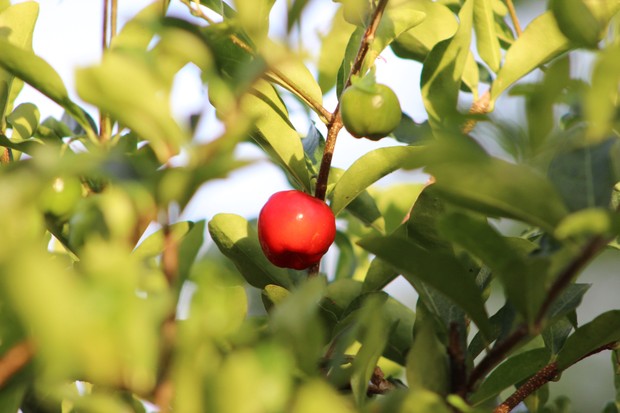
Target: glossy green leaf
436 268
494 186
523 278
600 103
438 24
396 201
486 38
585 175
274 132
155 243
442 72
541 41
556 334
237 240
189 247
40 75
17 25
512 371
131 92
603 330
370 168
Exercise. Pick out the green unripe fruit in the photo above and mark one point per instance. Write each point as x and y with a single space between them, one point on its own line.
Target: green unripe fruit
60 197
370 112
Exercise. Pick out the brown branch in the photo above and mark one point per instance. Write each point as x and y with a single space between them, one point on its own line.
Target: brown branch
458 369
514 18
543 376
14 360
378 383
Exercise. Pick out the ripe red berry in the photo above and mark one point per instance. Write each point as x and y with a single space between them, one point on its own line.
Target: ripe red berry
295 229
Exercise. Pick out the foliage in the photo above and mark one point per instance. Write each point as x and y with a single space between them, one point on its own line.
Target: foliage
109 302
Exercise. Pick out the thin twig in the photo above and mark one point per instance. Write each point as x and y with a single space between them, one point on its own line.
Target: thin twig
14 360
514 18
458 369
543 376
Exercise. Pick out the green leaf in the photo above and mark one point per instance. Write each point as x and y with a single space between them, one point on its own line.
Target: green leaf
137 33
155 243
486 38
427 361
379 275
253 17
373 339
600 103
237 240
17 25
189 248
129 90
603 330
435 268
442 72
333 46
541 41
494 186
24 120
588 222
556 334
317 396
347 262
370 168
424 401
514 370
40 75
585 175
275 133
439 24
11 398
523 278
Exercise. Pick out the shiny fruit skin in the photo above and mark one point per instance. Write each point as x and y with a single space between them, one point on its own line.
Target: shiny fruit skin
295 229
370 114
60 197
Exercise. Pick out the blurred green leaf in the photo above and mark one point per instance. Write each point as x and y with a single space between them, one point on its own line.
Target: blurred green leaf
486 38
137 33
603 330
253 17
442 72
317 396
40 75
17 26
347 262
237 240
275 133
439 24
514 370
600 102
424 401
333 47
373 339
436 268
24 120
370 168
427 360
588 222
585 175
11 397
127 89
577 21
541 41
189 247
296 324
379 275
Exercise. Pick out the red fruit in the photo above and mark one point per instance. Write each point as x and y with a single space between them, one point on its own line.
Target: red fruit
295 229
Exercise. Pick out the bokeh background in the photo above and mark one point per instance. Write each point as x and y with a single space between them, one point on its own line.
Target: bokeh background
68 36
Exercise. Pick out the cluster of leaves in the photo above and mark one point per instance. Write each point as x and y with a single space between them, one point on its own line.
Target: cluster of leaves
86 297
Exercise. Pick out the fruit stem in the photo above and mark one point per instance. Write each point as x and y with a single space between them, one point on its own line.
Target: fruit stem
513 17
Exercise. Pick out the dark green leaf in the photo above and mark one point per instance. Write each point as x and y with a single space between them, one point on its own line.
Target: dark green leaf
188 249
515 369
435 268
379 275
237 240
556 334
585 176
603 330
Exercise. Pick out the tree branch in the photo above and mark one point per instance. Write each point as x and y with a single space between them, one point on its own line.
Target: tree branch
14 360
543 376
513 17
